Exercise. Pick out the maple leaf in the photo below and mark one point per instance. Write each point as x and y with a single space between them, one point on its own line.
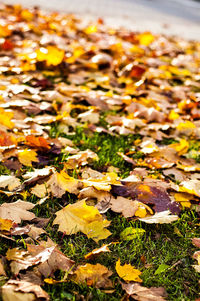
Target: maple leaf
93 275
11 181
103 183
27 156
145 38
7 139
81 217
37 174
128 272
190 186
23 291
61 182
17 211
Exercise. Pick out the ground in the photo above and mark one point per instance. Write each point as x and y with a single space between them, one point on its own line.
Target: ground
99 145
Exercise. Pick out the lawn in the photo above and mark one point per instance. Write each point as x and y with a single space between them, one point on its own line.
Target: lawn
100 147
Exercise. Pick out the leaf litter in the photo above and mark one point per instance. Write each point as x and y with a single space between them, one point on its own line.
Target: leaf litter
60 77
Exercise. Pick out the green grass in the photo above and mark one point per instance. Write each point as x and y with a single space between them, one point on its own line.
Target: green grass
168 244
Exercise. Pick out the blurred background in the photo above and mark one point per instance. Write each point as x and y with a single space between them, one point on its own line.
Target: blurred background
177 17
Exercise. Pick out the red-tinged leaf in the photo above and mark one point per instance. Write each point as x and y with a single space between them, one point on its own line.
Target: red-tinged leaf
148 195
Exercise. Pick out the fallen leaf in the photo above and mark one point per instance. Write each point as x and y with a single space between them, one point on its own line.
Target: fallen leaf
93 275
27 156
17 211
81 217
140 293
125 206
131 233
37 142
56 261
5 224
52 55
11 181
196 242
163 217
61 182
40 190
22 290
128 272
97 251
21 259
2 270
147 194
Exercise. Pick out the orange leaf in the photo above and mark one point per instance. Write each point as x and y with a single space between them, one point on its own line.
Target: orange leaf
38 142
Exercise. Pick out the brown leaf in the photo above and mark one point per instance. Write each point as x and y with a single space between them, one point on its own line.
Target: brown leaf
2 270
17 211
140 293
147 194
93 275
21 259
196 242
56 261
23 291
125 206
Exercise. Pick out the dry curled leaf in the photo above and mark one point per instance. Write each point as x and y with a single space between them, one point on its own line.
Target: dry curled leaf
141 293
23 290
21 259
97 251
163 217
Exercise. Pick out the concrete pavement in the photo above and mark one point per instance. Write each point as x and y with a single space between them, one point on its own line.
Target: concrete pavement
172 17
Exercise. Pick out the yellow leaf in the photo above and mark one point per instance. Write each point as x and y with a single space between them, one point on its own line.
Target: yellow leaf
27 156
91 29
183 198
181 147
191 187
52 55
93 275
128 272
145 38
40 190
26 15
81 217
187 125
61 182
5 224
173 115
104 183
5 118
142 210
